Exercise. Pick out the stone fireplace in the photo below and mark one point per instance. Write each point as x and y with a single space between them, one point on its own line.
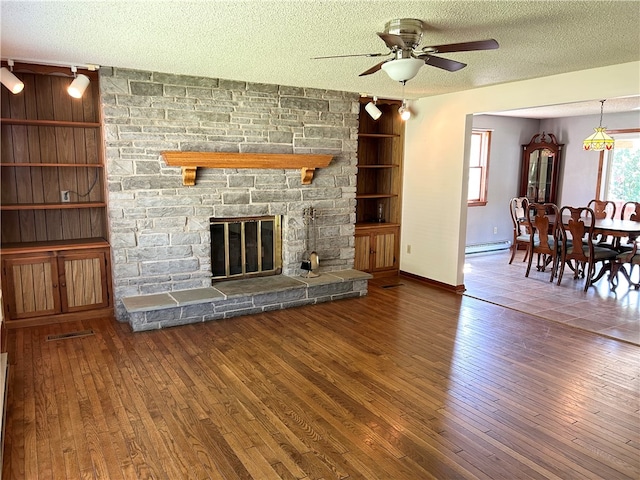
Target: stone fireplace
160 228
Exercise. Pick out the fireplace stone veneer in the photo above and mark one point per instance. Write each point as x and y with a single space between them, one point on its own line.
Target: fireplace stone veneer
159 228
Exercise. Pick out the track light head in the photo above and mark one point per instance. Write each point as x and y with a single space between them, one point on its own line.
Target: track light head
79 84
9 80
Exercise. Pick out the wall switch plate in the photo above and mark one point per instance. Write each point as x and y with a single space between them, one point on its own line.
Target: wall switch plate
64 196
408 248
495 230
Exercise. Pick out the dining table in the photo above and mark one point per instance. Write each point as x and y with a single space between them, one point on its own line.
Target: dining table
612 227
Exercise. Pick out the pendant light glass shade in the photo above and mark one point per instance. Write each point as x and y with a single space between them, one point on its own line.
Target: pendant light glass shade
9 80
600 140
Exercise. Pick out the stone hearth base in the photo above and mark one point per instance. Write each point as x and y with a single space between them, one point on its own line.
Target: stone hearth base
241 297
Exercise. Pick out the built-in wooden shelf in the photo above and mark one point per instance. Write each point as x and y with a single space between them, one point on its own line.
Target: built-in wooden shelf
390 165
53 245
191 161
53 165
376 195
378 135
49 123
51 206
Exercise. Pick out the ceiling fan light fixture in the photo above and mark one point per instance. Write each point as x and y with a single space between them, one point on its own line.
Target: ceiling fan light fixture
402 69
600 140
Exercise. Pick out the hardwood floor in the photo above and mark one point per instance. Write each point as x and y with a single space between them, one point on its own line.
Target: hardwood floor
615 314
410 382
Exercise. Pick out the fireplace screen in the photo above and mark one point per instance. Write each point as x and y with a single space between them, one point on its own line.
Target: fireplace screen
245 247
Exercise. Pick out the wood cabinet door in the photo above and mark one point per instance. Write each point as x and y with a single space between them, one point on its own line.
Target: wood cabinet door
30 285
83 280
362 259
385 251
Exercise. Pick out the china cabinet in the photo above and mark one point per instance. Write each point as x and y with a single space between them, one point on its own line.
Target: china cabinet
540 168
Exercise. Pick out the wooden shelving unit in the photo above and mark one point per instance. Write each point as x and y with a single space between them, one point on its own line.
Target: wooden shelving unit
55 253
379 189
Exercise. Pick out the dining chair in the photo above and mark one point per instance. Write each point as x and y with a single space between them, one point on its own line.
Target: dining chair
632 258
543 238
603 209
576 224
521 236
629 211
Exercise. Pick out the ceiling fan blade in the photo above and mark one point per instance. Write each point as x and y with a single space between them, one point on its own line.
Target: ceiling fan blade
443 63
354 55
373 69
490 44
392 41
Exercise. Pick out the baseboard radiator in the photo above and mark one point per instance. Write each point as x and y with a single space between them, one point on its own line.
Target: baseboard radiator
487 247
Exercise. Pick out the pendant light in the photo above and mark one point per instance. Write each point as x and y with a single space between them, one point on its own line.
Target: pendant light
600 140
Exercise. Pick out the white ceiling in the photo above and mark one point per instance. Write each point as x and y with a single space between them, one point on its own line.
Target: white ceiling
273 41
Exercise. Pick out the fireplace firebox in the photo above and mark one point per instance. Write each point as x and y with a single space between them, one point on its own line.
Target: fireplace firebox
245 247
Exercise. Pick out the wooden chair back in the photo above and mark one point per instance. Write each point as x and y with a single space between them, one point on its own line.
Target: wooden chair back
630 211
579 229
518 209
540 218
603 208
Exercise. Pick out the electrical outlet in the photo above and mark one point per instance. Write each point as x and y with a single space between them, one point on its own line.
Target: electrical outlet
64 196
408 248
495 230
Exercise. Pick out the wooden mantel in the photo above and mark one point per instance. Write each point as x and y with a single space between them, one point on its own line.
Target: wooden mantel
190 161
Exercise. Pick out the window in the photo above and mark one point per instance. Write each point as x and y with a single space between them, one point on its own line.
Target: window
620 174
478 167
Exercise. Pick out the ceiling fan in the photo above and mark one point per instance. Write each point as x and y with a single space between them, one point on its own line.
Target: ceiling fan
403 36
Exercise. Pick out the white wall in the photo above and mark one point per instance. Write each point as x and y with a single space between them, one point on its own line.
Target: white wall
507 137
434 213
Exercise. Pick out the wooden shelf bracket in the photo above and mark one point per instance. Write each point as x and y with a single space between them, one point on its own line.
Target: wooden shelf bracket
191 161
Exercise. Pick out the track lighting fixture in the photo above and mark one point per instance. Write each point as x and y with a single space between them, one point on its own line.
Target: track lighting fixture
372 109
79 84
9 80
404 111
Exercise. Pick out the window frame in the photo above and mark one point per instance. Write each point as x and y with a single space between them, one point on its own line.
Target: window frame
602 171
485 154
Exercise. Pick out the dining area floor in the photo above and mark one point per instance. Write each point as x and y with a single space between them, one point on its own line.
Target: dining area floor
612 313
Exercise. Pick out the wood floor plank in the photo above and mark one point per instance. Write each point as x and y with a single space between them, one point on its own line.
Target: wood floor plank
410 382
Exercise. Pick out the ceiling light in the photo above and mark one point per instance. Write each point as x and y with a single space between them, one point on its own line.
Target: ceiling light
600 140
372 110
402 69
79 84
9 80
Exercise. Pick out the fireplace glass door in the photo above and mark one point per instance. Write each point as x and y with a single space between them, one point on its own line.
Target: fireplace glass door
245 247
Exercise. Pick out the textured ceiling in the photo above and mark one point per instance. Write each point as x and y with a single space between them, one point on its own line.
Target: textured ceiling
273 41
